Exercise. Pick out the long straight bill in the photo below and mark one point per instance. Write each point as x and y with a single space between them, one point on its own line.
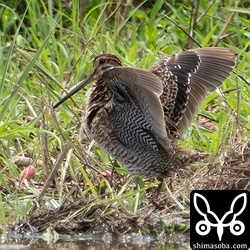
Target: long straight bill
79 86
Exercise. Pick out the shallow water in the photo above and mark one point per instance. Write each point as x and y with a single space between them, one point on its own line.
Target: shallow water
60 242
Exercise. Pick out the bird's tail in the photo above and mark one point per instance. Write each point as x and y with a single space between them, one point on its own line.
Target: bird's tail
185 157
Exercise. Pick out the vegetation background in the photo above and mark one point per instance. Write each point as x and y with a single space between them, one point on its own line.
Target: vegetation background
46 47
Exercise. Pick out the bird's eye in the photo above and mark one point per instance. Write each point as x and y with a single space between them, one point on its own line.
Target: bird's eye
102 61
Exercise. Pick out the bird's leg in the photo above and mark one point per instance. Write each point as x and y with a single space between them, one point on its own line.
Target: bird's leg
156 193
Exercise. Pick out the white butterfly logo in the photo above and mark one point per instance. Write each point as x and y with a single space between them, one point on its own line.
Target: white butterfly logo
203 227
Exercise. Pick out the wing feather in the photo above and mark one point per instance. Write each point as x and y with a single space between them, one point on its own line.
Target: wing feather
146 89
196 72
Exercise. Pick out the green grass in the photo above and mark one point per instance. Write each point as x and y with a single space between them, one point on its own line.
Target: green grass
42 59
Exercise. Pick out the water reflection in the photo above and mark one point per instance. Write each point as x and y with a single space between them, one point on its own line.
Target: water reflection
91 242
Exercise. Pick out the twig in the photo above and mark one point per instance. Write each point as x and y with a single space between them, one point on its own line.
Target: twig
177 25
58 163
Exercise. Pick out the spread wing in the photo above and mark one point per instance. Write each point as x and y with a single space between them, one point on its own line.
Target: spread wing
187 77
146 89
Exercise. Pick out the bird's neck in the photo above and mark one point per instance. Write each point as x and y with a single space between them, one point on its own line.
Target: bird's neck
100 94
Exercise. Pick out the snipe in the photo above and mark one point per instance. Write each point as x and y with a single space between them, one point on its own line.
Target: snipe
137 116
